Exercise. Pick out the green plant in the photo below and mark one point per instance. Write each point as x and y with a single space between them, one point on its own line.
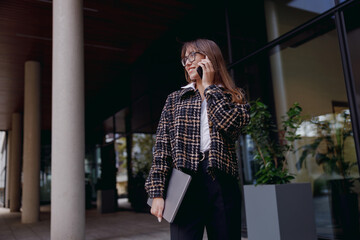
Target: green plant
269 151
328 148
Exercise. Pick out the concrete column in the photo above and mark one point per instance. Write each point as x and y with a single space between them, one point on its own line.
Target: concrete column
272 26
277 72
15 163
7 186
68 135
32 144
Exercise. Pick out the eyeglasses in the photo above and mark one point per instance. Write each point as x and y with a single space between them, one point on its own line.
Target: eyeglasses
190 57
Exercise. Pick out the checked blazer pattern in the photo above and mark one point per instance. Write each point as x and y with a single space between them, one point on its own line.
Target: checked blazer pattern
178 135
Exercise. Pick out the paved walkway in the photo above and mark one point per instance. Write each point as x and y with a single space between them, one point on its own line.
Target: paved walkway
112 226
122 225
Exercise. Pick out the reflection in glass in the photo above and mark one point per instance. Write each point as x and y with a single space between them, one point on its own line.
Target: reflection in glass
353 36
283 16
311 74
142 154
92 175
45 174
121 165
308 70
141 163
311 6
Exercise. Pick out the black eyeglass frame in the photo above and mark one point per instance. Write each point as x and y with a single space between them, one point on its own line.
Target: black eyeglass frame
192 54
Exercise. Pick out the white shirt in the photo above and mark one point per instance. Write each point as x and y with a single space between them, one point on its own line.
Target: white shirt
204 124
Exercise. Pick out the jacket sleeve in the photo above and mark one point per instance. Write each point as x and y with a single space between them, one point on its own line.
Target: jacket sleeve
155 182
227 117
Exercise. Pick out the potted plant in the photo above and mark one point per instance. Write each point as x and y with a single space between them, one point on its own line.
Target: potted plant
328 150
276 209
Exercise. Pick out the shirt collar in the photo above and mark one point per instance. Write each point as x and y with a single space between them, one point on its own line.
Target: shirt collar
191 87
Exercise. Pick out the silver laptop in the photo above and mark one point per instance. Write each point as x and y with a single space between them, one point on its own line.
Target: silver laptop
178 184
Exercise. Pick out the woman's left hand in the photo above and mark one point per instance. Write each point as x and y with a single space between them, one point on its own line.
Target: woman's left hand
208 72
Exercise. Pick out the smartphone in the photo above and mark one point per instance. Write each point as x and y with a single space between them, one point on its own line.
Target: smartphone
200 71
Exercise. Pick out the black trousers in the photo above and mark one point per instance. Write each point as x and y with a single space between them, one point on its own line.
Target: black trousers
214 204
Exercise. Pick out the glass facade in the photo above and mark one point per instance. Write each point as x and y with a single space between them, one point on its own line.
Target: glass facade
142 154
45 170
92 173
307 68
283 16
352 25
121 165
326 152
112 155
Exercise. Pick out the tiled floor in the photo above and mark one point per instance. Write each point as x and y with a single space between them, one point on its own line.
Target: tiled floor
123 225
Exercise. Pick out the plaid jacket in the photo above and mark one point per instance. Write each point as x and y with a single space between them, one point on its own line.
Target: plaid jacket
178 135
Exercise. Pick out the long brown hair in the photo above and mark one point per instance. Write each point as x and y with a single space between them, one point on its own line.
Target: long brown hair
222 76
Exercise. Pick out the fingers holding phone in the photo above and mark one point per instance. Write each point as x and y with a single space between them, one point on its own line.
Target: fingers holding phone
206 71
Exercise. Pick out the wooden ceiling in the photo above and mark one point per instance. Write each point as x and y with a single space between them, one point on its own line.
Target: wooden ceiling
116 33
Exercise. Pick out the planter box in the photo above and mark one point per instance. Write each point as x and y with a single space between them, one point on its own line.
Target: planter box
280 212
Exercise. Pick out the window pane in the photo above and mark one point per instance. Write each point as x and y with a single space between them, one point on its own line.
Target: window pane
121 165
308 70
141 163
283 16
353 35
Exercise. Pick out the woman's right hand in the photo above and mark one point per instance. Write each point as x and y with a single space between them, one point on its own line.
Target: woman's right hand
157 208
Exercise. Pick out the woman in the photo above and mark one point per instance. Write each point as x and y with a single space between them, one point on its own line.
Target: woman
197 131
